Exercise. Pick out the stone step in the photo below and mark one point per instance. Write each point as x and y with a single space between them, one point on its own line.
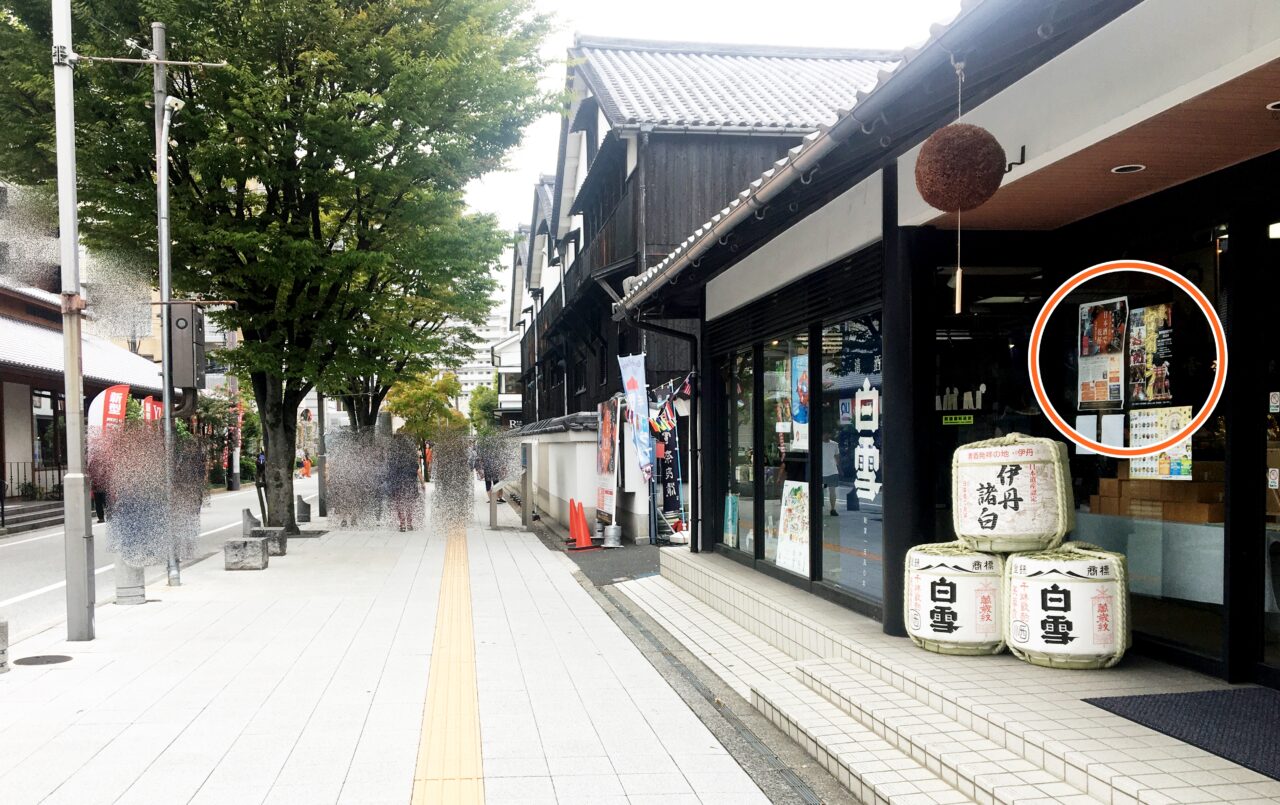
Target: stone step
870 767
1038 714
34 524
977 766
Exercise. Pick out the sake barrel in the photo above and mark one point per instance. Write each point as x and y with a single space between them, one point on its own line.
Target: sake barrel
1012 494
953 599
1067 607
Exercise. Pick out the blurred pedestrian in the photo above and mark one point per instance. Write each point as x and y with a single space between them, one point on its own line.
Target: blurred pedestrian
306 465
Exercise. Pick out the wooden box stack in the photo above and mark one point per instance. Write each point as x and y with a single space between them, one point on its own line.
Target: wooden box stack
1196 501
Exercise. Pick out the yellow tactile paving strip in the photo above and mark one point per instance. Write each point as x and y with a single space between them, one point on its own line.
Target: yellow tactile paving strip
449 764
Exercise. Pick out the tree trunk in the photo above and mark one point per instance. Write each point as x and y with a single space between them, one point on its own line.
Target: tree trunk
279 414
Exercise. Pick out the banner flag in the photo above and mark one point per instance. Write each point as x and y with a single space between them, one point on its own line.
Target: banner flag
637 394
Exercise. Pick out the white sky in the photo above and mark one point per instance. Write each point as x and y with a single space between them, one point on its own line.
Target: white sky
816 23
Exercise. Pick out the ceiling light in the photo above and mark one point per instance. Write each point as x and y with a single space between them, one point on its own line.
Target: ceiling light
1130 168
1273 231
1274 106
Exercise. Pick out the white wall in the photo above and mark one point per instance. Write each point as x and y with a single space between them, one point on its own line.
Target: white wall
17 422
841 227
564 468
1149 59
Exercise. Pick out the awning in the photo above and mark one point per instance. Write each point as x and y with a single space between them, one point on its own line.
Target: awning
35 348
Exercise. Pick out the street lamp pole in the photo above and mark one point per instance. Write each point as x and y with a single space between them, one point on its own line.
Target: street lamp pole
79 531
171 105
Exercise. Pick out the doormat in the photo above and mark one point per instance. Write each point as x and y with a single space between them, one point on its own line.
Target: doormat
1239 724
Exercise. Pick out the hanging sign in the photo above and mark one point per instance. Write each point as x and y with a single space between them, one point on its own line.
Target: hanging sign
667 453
1101 338
607 461
637 394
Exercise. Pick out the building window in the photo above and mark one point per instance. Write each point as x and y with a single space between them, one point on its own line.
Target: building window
851 503
48 429
786 452
738 379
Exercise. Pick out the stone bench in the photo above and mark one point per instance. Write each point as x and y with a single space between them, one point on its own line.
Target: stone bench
277 542
245 553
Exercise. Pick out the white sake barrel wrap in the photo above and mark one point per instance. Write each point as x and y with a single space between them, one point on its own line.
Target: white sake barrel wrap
1012 494
1068 607
953 599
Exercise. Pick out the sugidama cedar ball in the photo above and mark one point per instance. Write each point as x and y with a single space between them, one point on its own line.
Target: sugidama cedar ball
960 166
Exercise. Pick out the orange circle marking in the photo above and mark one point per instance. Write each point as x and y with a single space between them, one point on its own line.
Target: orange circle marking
1140 267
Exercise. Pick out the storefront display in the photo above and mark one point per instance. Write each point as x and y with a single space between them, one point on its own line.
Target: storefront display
953 601
793 528
1067 607
1155 425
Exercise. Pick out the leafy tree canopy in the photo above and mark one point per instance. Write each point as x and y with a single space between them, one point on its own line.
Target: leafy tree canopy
305 176
426 405
484 405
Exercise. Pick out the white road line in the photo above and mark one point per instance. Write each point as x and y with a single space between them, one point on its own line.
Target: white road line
59 585
50 588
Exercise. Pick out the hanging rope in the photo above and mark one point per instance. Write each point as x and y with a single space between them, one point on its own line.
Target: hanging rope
959 65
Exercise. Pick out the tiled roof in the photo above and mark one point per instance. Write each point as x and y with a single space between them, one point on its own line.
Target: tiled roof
33 347
797 162
704 86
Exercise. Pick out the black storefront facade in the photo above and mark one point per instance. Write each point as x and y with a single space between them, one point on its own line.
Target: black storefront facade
858 377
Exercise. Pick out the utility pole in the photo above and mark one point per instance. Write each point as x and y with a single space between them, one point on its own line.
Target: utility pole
160 95
233 386
78 530
323 497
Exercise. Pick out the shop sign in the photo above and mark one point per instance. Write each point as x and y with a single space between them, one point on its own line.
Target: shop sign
1273 403
1273 478
866 456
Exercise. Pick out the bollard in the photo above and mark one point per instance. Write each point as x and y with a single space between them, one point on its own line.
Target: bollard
131 586
4 646
248 522
302 511
526 499
493 509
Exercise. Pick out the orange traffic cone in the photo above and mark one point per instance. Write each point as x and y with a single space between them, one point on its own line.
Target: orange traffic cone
573 522
584 532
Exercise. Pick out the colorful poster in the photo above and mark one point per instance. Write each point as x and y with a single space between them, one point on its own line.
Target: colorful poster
607 460
731 520
1150 354
637 394
800 401
1102 342
1155 425
793 528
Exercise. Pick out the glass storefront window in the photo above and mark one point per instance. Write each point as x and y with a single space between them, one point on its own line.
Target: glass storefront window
785 432
49 447
852 502
739 504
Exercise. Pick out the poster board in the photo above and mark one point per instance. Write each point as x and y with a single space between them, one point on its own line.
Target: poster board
1150 354
1101 337
793 528
607 461
731 520
1151 425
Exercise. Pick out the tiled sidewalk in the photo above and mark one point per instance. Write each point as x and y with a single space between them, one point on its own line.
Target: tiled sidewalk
892 722
306 683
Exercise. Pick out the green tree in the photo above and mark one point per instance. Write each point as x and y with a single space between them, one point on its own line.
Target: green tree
423 319
484 408
300 174
426 404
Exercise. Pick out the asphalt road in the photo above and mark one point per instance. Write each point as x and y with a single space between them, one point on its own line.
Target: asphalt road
33 573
